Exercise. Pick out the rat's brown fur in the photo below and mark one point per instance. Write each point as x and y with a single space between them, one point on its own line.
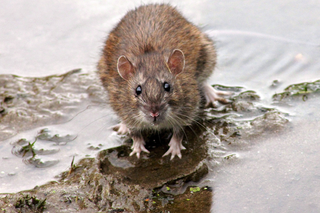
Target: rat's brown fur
147 36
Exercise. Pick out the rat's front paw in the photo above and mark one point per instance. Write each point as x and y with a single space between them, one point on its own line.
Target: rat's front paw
213 95
175 147
138 146
121 128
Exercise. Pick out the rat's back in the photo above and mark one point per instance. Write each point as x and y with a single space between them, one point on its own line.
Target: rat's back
155 28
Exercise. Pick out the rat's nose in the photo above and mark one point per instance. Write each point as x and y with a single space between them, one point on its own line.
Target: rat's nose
154 114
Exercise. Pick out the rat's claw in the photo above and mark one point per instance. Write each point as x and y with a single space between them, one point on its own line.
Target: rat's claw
175 147
213 95
138 146
121 128
135 151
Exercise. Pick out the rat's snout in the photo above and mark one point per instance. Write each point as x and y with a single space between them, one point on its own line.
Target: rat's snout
154 110
154 114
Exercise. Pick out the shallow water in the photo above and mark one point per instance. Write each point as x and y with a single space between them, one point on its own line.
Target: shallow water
263 46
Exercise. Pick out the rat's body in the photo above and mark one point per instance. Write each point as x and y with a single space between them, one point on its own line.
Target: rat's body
154 66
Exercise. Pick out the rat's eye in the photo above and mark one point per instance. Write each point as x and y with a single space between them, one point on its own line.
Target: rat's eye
138 90
166 86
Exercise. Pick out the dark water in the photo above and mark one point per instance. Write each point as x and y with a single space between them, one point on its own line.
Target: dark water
263 46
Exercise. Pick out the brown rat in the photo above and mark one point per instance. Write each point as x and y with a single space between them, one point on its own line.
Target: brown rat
154 66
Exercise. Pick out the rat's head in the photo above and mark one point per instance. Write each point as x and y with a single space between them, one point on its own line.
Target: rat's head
153 88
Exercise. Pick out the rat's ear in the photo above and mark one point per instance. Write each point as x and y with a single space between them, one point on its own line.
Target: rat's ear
176 62
124 67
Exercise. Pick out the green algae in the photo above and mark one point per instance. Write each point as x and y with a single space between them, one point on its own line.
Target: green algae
301 91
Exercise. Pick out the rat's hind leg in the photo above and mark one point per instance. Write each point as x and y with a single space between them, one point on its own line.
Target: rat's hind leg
138 145
175 146
213 95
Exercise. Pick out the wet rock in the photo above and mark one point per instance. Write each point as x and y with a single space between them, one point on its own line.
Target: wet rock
48 135
153 170
41 161
270 121
242 131
194 199
28 203
27 103
151 173
247 95
25 148
244 102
